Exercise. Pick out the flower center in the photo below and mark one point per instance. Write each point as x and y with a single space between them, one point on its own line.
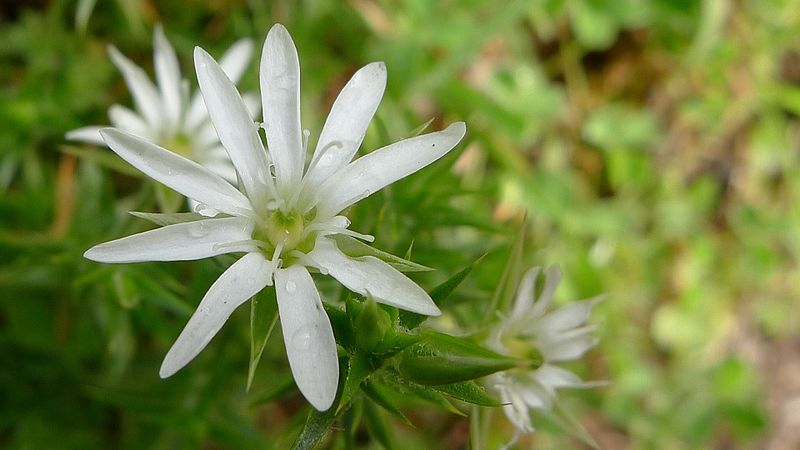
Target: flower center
286 231
521 348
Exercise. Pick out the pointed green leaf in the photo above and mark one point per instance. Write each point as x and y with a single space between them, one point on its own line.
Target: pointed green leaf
377 426
442 359
354 248
263 317
382 396
359 367
409 390
439 295
164 219
470 392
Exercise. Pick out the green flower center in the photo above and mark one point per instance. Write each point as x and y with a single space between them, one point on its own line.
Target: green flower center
286 230
180 144
521 348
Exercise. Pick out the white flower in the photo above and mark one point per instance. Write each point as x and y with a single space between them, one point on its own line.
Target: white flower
284 214
560 335
165 114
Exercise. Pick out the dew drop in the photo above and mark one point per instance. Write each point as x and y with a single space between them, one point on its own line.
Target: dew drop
291 287
198 230
301 339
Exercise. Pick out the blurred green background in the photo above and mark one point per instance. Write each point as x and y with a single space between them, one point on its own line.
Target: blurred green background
653 145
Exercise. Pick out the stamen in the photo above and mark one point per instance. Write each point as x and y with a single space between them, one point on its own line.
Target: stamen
327 229
306 134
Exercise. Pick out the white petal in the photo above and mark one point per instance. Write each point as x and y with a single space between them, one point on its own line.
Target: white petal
525 293
144 92
280 100
307 333
347 122
241 281
372 172
553 377
90 134
178 242
569 316
551 280
236 130
568 349
178 173
369 275
233 63
127 120
168 74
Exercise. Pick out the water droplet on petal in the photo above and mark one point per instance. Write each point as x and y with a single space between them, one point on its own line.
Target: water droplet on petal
198 229
303 337
291 287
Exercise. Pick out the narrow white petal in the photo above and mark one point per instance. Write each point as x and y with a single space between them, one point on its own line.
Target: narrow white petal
369 275
567 317
127 120
525 293
280 100
168 75
553 377
307 333
145 94
551 280
568 349
235 286
372 172
347 122
233 63
178 173
90 134
178 242
236 130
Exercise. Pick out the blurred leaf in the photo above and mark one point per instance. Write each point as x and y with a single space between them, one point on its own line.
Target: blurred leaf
263 317
470 392
439 295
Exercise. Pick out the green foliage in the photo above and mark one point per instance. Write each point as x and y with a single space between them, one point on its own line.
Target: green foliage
651 146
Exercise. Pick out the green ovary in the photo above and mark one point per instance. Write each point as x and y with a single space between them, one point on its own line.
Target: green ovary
180 144
284 229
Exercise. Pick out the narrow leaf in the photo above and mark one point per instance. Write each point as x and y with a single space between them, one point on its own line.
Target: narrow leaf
381 395
442 359
378 427
263 317
439 295
164 219
354 248
470 392
318 424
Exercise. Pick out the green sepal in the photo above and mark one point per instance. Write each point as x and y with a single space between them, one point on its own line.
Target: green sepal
354 248
442 359
470 392
439 295
340 322
382 396
373 326
164 219
263 317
